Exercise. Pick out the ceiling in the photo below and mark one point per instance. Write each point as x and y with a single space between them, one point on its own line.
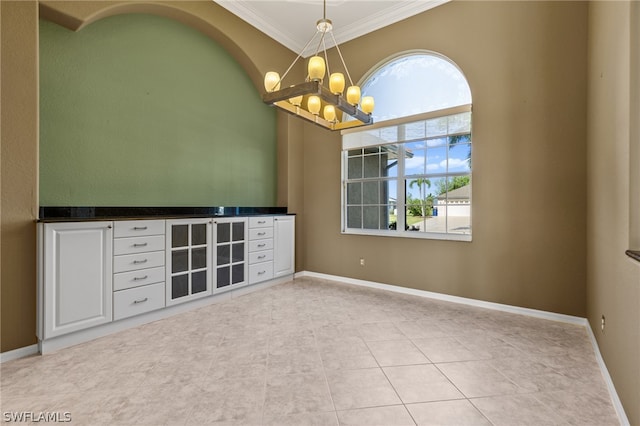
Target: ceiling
293 22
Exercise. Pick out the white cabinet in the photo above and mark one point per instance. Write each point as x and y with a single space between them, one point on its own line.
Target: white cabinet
230 251
188 264
284 231
75 280
139 273
101 274
260 249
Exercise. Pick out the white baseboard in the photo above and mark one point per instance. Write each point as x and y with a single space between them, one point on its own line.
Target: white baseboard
18 353
454 299
617 404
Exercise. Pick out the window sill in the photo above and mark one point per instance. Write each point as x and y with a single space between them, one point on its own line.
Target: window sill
634 254
409 234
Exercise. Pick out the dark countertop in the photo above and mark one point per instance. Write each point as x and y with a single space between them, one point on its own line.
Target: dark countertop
68 214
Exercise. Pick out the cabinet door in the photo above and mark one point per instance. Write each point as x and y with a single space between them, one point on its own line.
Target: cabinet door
188 268
77 280
230 253
284 228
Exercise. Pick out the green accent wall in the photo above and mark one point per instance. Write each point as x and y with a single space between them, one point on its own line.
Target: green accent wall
141 110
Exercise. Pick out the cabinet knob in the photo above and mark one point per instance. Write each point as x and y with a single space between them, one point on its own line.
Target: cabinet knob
109 226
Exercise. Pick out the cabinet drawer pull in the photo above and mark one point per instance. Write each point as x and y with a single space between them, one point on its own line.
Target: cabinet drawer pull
141 244
262 272
262 257
135 302
140 278
137 262
140 228
262 233
261 245
262 221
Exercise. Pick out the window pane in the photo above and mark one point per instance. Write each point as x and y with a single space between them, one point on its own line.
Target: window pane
198 234
391 166
416 83
354 193
370 193
179 235
354 168
414 161
180 261
199 258
437 127
224 232
237 272
437 160
198 282
224 254
237 252
460 123
371 217
414 131
179 286
459 158
354 152
238 231
371 166
354 217
223 277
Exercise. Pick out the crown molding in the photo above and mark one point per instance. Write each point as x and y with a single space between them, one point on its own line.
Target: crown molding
396 11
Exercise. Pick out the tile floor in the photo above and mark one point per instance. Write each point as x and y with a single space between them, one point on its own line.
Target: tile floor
313 352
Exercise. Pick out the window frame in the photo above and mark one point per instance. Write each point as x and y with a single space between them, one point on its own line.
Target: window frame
401 178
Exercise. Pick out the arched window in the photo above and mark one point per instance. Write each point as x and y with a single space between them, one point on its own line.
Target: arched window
410 173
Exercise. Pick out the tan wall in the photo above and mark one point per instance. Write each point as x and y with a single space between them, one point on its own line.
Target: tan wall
525 63
613 284
19 98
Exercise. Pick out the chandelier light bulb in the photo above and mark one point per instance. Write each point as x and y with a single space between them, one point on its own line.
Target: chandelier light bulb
329 113
316 68
353 95
313 105
336 83
367 104
272 81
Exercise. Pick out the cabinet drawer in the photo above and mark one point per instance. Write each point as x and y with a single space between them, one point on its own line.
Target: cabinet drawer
132 262
137 228
138 244
125 280
259 245
260 233
260 272
134 301
260 222
260 256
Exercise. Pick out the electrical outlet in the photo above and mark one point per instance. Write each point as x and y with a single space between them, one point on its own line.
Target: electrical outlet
603 322
362 261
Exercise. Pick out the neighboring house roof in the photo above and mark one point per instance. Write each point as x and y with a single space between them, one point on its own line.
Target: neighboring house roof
462 193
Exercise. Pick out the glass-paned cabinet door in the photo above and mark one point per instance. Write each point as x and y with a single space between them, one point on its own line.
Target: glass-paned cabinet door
230 253
188 267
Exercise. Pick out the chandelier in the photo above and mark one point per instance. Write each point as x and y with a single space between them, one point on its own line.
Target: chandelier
315 94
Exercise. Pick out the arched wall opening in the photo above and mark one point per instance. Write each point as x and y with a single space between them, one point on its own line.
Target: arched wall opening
141 109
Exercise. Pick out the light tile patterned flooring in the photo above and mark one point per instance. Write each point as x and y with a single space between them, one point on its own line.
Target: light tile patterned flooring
312 352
